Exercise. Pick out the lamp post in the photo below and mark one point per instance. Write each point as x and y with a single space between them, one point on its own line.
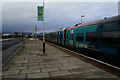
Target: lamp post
81 18
43 30
41 18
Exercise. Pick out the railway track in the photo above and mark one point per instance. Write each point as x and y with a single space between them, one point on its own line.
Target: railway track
100 64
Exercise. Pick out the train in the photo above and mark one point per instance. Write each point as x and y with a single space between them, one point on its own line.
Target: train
99 39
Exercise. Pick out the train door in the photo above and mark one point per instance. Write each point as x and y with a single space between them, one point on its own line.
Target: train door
57 37
71 38
67 39
60 37
64 37
74 39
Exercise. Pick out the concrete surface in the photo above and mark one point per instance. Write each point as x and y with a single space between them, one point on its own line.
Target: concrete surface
30 62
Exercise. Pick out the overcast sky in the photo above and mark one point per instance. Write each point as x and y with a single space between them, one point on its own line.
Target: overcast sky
17 16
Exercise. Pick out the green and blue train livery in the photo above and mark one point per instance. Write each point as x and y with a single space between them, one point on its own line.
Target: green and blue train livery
100 37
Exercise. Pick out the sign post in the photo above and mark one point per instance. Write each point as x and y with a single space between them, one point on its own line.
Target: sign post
41 18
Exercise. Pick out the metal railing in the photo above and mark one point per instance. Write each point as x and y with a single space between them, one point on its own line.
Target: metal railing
11 51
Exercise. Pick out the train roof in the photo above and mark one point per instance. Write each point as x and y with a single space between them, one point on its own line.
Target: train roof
58 30
109 19
54 31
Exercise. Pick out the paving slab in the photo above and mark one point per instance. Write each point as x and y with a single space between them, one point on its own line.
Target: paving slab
30 71
59 73
13 64
36 66
21 61
15 76
38 75
53 65
50 69
17 68
11 72
30 62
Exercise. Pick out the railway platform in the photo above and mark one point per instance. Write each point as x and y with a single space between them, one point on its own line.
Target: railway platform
30 62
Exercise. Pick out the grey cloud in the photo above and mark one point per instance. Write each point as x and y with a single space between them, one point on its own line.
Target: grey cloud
18 16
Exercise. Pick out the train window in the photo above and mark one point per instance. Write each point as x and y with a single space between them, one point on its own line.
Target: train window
71 36
110 37
91 36
79 37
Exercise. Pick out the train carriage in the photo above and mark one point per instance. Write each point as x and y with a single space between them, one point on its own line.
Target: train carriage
100 38
110 38
86 37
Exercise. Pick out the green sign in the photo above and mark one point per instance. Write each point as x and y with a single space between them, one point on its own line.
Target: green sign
40 13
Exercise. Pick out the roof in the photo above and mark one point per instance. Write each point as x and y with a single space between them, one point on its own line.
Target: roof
109 19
